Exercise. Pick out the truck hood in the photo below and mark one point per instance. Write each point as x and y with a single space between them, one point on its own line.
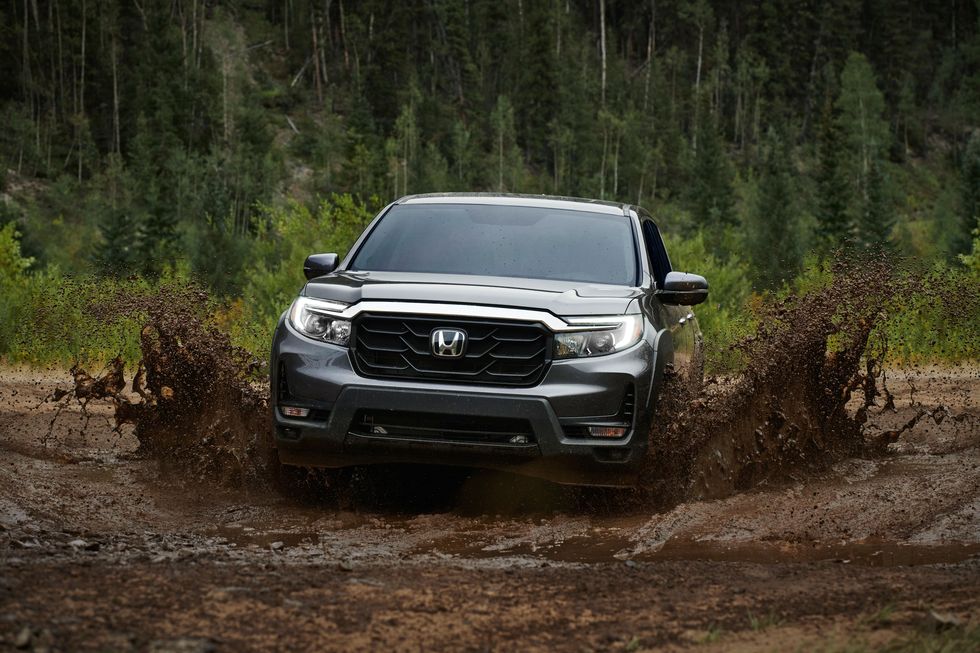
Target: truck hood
562 298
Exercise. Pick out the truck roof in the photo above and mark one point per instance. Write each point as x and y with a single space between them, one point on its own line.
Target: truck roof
513 199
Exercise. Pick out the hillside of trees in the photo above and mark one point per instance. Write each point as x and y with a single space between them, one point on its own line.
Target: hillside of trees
222 140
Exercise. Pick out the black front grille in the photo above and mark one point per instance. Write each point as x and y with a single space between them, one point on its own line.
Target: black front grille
496 353
438 426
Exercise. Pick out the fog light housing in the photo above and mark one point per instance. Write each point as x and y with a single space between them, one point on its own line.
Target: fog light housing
607 431
294 411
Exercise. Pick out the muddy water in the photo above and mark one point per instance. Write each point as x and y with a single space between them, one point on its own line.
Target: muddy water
481 545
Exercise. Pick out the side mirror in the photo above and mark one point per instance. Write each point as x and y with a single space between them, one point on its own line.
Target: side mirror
684 289
317 265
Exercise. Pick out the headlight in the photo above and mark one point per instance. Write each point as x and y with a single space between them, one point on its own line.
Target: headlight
581 344
316 318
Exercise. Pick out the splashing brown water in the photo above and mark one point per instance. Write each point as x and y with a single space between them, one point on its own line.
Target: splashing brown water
192 399
788 409
813 370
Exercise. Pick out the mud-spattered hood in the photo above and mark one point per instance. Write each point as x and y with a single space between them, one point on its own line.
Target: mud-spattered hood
562 298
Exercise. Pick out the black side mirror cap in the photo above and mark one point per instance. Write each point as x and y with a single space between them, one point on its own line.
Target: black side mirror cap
683 289
317 265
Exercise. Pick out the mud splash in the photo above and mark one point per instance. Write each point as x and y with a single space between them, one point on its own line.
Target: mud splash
813 371
193 400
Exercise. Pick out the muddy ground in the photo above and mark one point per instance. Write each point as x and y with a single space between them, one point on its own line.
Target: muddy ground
102 549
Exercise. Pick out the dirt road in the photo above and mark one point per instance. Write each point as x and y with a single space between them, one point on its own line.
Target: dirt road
104 550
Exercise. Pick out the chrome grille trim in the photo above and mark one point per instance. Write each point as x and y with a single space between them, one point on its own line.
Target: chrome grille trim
422 309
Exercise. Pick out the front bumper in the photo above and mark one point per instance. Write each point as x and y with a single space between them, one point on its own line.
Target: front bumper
320 377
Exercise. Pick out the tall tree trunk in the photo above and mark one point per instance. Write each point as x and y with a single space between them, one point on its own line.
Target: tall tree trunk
225 126
115 98
651 46
316 58
557 29
193 29
285 22
602 168
602 45
61 59
811 86
738 116
697 85
326 41
26 83
554 186
183 41
500 160
343 37
616 165
81 94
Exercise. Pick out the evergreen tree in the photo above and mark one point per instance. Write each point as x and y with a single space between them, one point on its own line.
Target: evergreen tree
464 154
535 101
834 229
711 195
433 170
773 231
505 158
407 145
119 251
861 108
875 222
866 141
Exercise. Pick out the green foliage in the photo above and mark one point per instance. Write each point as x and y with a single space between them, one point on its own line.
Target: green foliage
289 234
504 157
970 199
724 317
772 234
711 194
52 318
875 222
866 139
13 285
834 229
861 108
972 260
939 323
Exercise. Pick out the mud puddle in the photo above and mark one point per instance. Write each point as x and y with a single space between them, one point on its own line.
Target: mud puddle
600 547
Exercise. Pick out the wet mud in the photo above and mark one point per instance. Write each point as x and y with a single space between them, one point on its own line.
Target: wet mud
816 499
102 547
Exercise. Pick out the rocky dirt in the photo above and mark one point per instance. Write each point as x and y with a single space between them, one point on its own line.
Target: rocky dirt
103 547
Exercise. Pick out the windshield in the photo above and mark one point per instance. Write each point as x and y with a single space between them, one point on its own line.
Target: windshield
502 241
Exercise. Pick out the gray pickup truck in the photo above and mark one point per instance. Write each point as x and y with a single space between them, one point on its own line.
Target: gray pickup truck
523 333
